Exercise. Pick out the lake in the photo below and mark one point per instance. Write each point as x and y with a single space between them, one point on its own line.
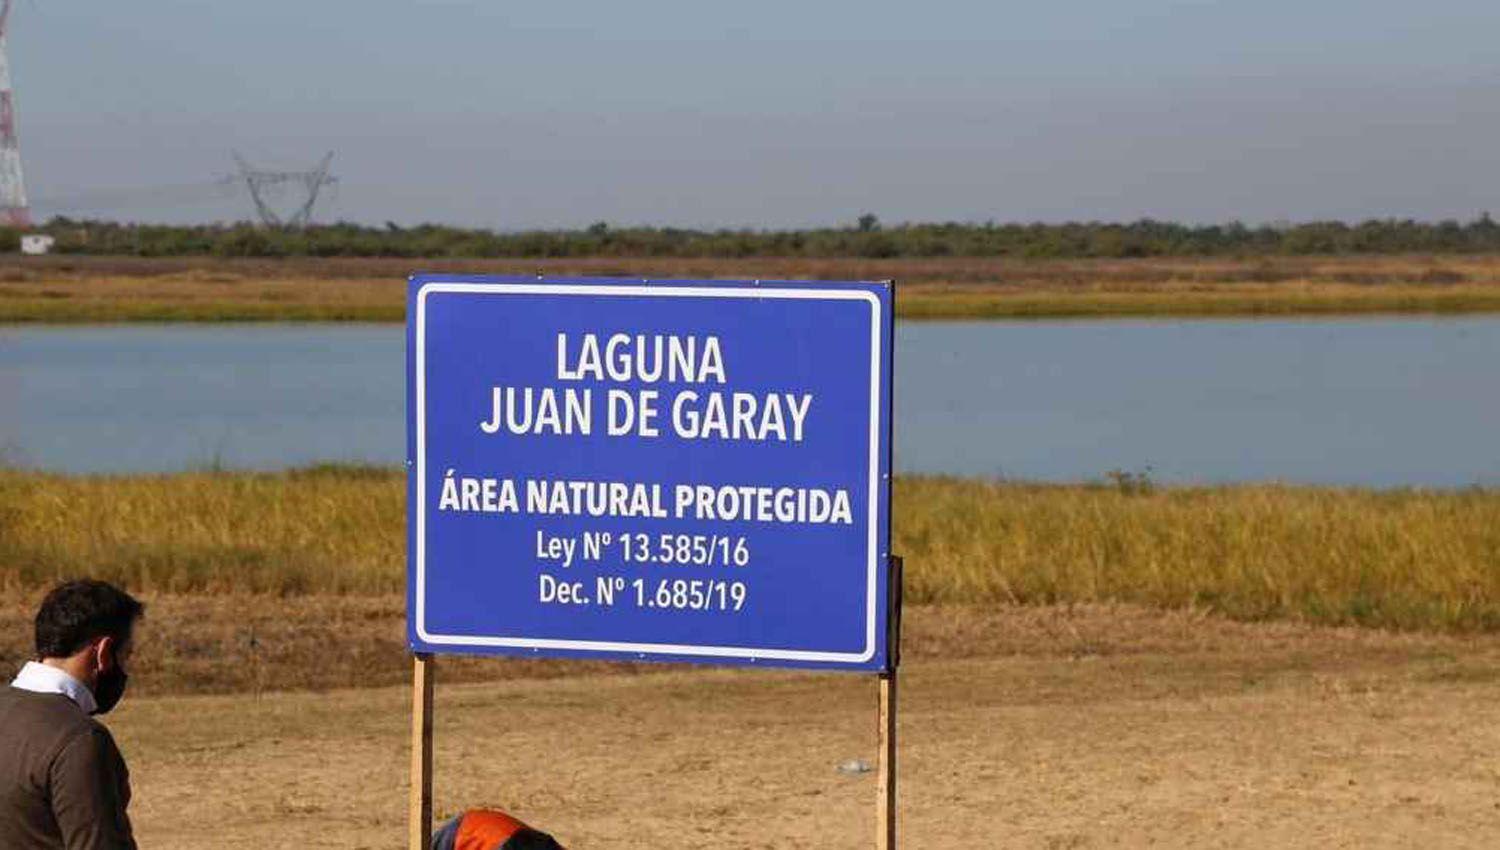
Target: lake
1383 402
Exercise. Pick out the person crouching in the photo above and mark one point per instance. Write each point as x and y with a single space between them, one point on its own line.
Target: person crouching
484 829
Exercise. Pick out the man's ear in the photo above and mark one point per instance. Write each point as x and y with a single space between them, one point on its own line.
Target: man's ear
104 653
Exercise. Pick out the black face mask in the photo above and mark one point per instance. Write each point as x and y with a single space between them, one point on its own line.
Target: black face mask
108 689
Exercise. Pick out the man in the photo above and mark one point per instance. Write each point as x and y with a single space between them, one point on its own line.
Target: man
63 783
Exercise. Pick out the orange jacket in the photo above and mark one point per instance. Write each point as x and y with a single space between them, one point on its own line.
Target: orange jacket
483 829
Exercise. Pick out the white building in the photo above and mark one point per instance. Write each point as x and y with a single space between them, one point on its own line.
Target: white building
36 243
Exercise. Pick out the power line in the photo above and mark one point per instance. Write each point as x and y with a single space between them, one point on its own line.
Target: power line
139 197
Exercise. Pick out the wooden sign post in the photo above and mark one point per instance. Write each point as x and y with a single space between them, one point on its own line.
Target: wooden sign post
885 784
419 820
885 777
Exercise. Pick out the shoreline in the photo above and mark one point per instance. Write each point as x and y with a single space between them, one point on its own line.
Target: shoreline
1405 302
107 290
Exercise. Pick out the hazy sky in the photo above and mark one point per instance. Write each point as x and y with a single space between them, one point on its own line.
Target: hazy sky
771 113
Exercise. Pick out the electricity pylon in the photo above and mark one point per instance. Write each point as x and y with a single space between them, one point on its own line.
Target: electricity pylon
14 211
263 182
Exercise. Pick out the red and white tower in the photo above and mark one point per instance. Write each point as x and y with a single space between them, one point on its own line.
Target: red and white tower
14 211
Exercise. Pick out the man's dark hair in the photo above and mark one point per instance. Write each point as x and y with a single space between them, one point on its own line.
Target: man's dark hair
77 612
530 839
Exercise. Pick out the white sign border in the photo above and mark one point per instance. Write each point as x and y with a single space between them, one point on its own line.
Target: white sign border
666 289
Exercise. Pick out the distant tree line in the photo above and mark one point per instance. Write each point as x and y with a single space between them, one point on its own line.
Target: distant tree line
864 238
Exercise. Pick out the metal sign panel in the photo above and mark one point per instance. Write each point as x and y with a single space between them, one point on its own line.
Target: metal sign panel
693 471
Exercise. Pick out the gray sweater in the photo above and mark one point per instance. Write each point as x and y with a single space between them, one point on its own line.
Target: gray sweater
63 783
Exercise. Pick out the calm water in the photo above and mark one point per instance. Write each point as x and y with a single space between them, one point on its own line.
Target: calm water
1382 402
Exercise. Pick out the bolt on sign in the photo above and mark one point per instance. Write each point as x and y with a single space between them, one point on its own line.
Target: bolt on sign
685 471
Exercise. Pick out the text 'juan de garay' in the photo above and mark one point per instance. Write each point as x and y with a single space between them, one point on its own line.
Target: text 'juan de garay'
692 403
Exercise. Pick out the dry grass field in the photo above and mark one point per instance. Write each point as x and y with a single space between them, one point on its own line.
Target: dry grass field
110 289
1411 559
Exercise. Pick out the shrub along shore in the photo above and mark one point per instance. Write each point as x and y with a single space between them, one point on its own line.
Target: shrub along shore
1403 559
60 289
867 237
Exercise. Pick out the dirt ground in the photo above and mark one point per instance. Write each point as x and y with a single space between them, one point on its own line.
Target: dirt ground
1045 728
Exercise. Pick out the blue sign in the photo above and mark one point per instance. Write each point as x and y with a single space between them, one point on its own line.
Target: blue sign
690 471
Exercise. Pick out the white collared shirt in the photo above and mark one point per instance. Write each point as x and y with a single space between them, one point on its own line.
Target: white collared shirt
43 679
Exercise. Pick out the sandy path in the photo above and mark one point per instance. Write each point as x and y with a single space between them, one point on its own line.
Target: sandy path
1326 741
